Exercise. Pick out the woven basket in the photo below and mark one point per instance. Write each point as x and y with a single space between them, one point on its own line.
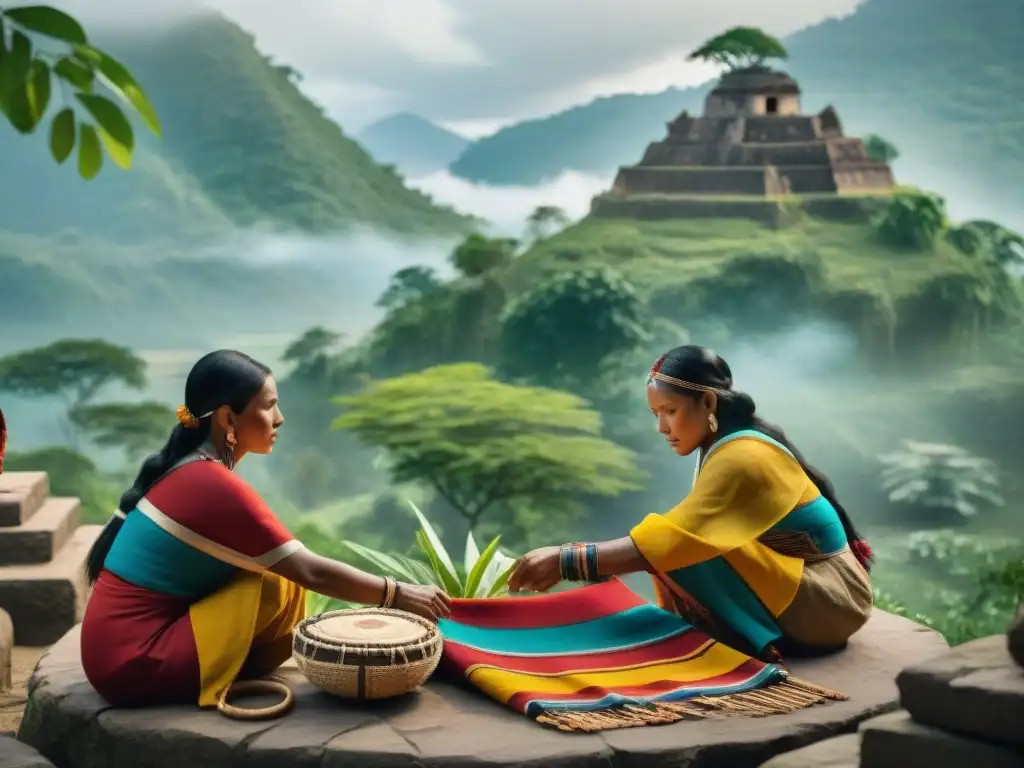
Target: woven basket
365 668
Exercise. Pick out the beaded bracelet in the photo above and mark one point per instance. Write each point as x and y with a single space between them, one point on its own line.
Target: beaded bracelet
390 592
578 562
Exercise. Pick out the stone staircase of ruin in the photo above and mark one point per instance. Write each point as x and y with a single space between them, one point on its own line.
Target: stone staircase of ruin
42 558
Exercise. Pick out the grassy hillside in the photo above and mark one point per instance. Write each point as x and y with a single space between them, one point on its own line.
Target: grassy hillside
411 143
739 277
241 146
939 78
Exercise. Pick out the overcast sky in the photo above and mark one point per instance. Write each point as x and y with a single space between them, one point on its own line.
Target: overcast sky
475 64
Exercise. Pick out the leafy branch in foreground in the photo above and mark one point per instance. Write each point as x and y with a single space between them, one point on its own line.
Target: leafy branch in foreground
483 573
90 119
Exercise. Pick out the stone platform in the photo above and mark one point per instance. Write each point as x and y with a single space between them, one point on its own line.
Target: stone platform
42 556
963 707
446 725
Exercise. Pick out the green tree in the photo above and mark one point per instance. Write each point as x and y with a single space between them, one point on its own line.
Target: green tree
137 429
480 443
995 242
312 347
91 119
544 220
408 284
565 328
881 149
912 220
73 369
478 255
740 48
938 484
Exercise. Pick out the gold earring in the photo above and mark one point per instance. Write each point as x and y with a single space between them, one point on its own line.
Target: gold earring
712 423
230 440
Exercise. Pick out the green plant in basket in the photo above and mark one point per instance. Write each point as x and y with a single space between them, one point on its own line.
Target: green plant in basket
484 573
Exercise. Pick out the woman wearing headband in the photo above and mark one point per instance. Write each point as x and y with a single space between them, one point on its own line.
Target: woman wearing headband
760 554
196 582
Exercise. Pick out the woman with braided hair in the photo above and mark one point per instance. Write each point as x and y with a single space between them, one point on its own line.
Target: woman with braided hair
195 580
760 554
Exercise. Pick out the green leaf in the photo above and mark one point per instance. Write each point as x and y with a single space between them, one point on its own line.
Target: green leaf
387 564
21 48
121 156
90 156
109 118
14 84
501 582
121 80
449 580
48 21
37 89
75 72
62 135
435 541
476 574
472 552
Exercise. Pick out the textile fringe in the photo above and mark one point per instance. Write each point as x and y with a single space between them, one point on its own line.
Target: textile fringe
779 699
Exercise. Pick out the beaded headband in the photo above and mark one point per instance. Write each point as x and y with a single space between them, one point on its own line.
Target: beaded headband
656 373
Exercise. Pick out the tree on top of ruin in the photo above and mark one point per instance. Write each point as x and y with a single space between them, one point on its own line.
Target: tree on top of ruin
740 48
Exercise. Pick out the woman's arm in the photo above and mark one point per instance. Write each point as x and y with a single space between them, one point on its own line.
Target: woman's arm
540 570
343 582
331 578
619 557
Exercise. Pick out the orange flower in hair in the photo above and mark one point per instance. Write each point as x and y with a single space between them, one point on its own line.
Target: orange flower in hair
185 417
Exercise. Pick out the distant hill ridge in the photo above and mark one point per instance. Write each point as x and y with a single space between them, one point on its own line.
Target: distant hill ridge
415 145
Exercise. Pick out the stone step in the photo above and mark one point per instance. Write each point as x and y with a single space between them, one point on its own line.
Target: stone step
14 754
39 538
45 600
838 752
896 740
975 688
21 496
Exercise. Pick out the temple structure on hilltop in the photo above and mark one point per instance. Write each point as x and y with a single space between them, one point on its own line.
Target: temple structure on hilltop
752 144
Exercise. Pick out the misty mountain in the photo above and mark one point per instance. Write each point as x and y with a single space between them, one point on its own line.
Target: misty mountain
243 151
241 146
939 78
411 143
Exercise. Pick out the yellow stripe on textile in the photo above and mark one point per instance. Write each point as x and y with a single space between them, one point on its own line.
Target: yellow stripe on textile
502 684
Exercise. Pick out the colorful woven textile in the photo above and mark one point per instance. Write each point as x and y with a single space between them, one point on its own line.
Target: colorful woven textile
601 657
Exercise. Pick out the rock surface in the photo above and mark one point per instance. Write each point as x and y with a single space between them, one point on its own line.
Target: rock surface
14 754
975 689
897 741
444 724
840 752
1015 636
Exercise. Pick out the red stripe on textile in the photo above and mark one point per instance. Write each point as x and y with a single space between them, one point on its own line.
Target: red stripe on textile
555 610
746 671
462 657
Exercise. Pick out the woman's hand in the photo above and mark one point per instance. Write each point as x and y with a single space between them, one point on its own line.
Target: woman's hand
536 571
428 601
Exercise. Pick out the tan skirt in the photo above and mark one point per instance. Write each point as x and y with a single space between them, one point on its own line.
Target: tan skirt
834 600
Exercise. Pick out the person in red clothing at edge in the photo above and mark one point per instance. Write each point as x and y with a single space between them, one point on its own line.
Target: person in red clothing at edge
196 582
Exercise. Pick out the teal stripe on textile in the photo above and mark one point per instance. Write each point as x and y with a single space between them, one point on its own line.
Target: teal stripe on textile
716 586
146 555
819 519
636 626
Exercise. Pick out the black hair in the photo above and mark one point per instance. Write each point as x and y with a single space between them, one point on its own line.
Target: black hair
224 377
736 411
